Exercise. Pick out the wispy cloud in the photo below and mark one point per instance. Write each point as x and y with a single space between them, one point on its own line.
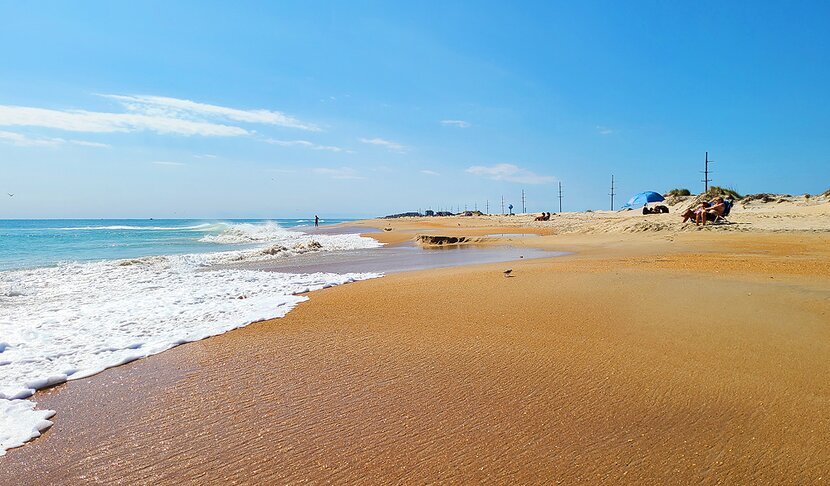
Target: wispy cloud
179 108
604 130
159 114
341 173
89 144
281 171
204 156
509 173
170 164
305 143
99 122
391 146
429 172
455 123
21 140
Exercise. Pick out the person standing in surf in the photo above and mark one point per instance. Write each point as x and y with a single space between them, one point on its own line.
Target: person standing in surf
316 221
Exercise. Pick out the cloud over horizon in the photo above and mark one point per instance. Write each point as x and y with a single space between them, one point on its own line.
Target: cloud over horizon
305 143
169 164
340 173
509 173
391 146
455 123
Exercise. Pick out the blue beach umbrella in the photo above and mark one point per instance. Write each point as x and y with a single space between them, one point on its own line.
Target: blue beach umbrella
643 198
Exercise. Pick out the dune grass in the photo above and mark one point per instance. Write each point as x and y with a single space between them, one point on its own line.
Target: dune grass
726 192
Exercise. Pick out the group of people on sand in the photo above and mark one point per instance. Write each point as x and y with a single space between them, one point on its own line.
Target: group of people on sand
706 211
543 217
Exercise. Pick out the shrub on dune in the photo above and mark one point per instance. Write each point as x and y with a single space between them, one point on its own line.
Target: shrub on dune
728 193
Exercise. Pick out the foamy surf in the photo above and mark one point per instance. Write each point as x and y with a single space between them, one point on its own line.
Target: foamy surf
73 320
252 233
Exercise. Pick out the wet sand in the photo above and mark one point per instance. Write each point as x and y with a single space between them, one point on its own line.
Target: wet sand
648 359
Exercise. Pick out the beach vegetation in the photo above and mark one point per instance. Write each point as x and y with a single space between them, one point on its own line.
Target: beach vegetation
763 197
726 192
678 192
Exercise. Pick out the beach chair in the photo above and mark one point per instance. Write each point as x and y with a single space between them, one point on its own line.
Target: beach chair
727 207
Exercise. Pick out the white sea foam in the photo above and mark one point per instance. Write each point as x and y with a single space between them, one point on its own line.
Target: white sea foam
20 422
76 319
252 233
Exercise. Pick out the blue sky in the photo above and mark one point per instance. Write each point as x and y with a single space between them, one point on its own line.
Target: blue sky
284 109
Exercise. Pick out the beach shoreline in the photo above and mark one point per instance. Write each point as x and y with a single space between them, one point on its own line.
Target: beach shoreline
657 357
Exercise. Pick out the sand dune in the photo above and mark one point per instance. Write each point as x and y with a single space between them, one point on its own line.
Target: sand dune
782 213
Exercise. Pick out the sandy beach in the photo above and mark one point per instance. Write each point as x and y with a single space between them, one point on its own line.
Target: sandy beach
653 353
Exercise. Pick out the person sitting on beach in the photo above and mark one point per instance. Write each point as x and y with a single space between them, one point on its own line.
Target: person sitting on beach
693 213
655 210
540 218
714 211
706 211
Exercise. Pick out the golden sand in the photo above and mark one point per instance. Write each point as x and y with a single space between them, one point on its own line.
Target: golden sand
650 358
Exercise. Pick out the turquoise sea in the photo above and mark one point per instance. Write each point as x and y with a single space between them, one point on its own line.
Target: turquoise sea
37 243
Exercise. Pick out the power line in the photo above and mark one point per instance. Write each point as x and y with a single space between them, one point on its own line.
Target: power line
524 210
502 205
706 180
560 197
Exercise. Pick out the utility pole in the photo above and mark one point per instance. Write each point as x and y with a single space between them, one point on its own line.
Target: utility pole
502 205
524 210
560 196
706 180
487 206
612 192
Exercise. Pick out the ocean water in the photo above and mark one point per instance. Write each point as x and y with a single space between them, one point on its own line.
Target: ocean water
81 296
34 243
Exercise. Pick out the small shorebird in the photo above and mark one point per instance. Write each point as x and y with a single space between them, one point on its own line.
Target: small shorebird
508 272
10 194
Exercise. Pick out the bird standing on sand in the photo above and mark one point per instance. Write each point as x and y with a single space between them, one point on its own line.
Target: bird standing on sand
508 272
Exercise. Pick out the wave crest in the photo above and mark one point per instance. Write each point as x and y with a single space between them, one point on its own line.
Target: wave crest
250 233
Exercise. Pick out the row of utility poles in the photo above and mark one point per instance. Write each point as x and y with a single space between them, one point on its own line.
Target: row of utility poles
510 206
706 180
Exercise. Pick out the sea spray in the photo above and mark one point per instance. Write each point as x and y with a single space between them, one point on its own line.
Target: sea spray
74 319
